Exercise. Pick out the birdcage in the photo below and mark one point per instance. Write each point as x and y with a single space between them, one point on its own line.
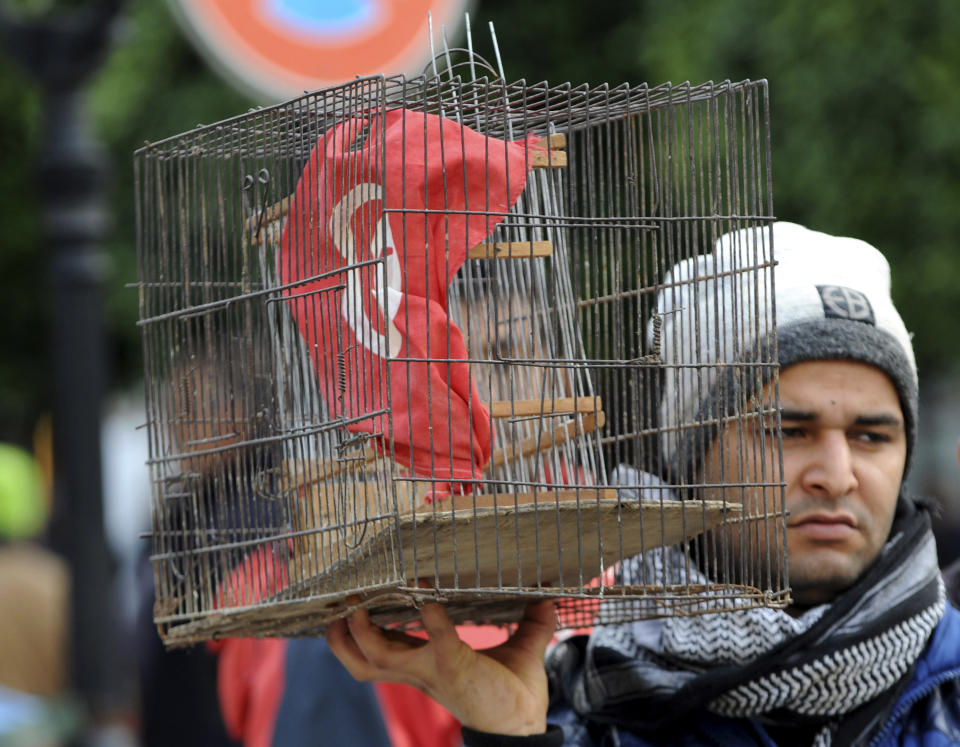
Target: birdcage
407 339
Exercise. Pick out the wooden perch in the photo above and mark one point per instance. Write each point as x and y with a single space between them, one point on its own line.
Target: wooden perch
271 213
511 250
554 156
548 159
543 441
557 140
303 474
519 408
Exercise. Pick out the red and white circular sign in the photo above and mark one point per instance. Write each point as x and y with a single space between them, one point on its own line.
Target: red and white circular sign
278 49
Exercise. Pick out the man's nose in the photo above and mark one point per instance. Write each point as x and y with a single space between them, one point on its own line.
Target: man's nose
829 470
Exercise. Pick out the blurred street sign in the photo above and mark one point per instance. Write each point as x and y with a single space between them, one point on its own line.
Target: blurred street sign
277 49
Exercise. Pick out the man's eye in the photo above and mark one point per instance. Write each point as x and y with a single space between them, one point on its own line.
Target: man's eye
870 437
787 432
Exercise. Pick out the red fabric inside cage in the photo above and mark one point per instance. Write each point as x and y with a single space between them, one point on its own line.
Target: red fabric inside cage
408 194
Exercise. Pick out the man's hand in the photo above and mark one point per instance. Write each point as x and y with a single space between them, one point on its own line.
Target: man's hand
501 690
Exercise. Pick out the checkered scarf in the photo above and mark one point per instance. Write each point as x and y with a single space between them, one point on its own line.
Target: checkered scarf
826 669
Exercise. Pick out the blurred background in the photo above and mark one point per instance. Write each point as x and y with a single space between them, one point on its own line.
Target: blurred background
865 107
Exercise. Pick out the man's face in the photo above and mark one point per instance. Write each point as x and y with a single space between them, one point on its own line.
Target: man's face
844 451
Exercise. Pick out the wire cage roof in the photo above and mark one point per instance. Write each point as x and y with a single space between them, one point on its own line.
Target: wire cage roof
469 341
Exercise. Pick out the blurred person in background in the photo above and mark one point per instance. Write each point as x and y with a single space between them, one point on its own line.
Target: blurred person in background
254 691
34 624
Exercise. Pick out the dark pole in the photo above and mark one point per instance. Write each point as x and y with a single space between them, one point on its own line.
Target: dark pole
72 178
61 51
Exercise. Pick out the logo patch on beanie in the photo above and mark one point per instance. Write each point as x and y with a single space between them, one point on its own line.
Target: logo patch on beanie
846 303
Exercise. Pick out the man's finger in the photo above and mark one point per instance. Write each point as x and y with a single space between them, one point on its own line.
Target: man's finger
410 641
369 638
437 623
345 648
536 627
371 654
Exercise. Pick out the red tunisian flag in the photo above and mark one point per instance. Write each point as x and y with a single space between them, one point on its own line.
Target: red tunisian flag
382 218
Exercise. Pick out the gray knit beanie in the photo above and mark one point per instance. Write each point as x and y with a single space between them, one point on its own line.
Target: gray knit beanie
832 303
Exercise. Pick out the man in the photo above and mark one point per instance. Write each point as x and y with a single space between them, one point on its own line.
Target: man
35 599
868 653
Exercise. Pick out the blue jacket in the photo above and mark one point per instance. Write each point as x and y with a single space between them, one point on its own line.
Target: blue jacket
927 712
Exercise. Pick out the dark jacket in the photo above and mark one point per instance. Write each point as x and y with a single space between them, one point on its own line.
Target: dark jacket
951 577
926 712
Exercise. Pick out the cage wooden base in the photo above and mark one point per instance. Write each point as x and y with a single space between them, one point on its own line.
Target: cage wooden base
558 538
489 582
